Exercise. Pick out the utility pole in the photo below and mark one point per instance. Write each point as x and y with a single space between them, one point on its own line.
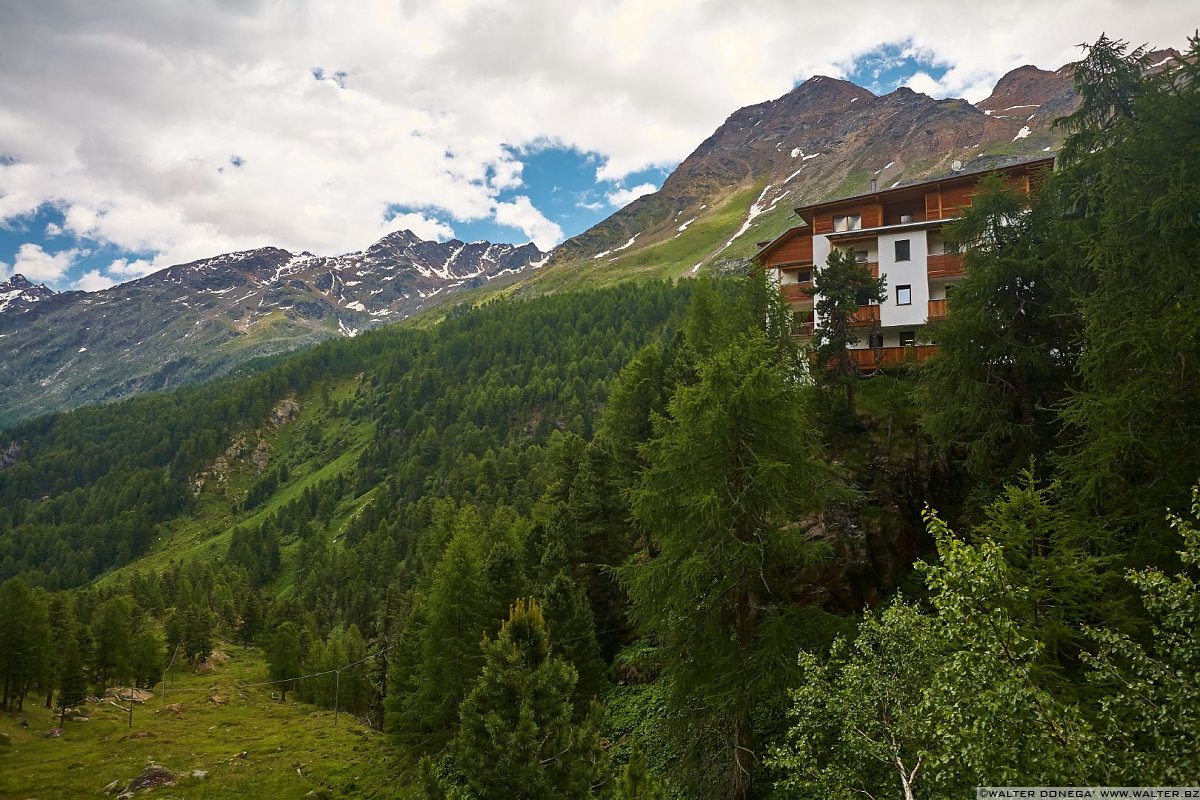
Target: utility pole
337 685
163 704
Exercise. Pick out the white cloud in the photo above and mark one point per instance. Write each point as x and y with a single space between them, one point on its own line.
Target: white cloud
124 270
37 265
623 197
130 119
93 281
423 226
520 213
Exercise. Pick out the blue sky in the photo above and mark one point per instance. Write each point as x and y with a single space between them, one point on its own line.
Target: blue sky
157 132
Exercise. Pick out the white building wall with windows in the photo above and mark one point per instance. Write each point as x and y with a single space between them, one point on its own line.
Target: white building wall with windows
911 273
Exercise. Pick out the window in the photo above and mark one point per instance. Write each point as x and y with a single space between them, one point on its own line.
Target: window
903 250
874 340
804 276
907 339
904 295
848 222
860 256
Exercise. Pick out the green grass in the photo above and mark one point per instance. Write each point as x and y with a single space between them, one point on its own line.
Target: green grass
291 748
672 257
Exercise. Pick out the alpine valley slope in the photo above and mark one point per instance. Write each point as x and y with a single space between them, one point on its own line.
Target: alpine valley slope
194 321
824 139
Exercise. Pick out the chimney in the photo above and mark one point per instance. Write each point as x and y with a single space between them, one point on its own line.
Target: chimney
874 184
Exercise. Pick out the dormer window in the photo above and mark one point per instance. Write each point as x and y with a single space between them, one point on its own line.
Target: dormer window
847 222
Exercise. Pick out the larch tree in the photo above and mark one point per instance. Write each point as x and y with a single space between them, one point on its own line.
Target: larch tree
732 475
1009 345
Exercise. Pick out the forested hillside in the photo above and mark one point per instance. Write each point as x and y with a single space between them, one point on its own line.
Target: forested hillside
637 543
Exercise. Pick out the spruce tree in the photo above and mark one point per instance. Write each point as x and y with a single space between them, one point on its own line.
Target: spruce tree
72 679
841 285
1137 410
285 656
517 738
112 637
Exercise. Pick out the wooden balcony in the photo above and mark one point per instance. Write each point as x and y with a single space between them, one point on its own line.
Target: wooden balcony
796 292
866 315
937 309
945 265
802 330
871 359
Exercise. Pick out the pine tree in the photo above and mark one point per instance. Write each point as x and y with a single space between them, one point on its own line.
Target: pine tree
573 633
458 614
197 640
636 782
24 641
149 658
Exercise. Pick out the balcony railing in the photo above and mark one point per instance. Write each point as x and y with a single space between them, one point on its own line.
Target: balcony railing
866 315
802 330
795 292
869 359
945 265
937 309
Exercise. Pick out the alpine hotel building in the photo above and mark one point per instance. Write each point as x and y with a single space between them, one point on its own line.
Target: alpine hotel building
898 233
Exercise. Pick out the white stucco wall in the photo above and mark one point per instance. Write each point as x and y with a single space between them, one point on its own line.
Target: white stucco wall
912 273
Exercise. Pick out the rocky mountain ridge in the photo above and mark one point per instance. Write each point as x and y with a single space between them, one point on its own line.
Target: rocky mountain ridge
829 138
194 321
18 293
825 138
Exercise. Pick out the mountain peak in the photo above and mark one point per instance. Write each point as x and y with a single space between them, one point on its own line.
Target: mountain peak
18 293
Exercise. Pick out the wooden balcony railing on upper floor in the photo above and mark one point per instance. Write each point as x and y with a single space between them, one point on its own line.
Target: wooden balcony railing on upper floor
870 359
937 309
866 315
945 265
797 292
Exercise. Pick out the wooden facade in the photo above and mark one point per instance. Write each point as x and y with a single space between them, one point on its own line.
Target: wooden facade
869 222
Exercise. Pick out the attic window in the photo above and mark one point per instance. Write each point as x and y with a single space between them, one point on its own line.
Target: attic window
847 222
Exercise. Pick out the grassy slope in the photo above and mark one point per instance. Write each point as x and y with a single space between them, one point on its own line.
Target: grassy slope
205 533
350 760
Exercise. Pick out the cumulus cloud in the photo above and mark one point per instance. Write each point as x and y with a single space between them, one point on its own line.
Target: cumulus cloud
426 227
623 197
520 214
37 265
124 269
93 281
130 120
